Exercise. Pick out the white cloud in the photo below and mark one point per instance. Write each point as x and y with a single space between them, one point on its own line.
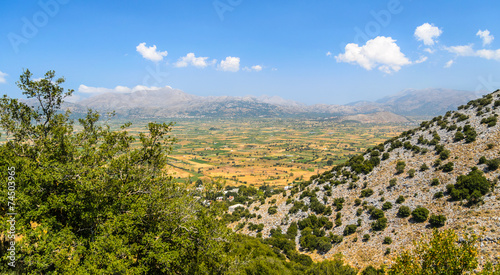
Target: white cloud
485 36
421 60
118 89
429 50
489 54
462 50
231 64
256 68
150 53
2 77
191 59
449 63
329 53
380 51
274 69
427 32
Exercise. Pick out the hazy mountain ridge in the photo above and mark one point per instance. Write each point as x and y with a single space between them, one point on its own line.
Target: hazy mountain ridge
168 102
424 145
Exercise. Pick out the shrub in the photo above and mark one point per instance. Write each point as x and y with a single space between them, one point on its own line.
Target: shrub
411 173
458 136
272 210
387 205
442 254
493 164
366 237
393 182
437 220
377 214
387 240
438 195
336 238
490 121
424 167
400 167
482 160
420 214
338 222
448 167
434 182
350 229
470 187
400 199
359 211
445 154
366 193
380 224
357 201
404 211
385 156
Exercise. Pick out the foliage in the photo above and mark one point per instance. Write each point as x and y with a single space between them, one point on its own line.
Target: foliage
366 193
404 211
470 187
379 225
350 229
420 214
387 205
400 199
440 255
92 203
437 220
387 240
400 167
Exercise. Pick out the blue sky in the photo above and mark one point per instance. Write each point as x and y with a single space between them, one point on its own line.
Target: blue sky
317 51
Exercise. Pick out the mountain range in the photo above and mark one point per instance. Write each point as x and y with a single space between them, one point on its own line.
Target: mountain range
168 102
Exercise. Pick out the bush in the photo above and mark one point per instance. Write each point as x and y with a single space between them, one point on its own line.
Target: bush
411 173
445 154
272 210
443 254
379 225
448 167
336 238
366 237
424 167
400 167
491 121
350 229
470 187
434 182
377 214
387 205
458 136
387 240
366 193
420 214
493 164
438 195
385 156
393 182
437 220
400 199
404 211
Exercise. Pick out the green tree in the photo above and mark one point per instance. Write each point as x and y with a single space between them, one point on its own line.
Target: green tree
92 203
440 255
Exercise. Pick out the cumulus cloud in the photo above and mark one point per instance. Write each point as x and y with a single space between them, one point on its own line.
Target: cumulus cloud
150 53
118 89
230 64
191 59
449 63
2 77
427 33
329 53
485 36
381 52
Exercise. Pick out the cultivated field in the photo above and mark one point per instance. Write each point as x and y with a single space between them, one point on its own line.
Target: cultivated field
265 151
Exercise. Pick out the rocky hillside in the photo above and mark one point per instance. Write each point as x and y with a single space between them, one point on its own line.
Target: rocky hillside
443 174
